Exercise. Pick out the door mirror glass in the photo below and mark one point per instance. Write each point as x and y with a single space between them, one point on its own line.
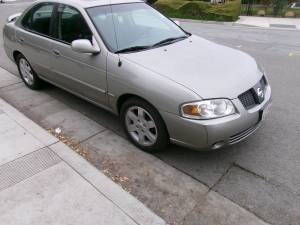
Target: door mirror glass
84 46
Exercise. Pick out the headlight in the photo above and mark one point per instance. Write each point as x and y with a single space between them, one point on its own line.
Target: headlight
208 109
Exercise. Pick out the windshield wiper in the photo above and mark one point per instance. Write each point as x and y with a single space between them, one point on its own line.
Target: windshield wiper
132 49
168 40
138 48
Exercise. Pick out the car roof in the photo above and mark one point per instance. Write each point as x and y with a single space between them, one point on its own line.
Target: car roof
90 3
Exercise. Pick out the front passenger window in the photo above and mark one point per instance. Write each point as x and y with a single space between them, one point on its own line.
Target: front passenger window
72 25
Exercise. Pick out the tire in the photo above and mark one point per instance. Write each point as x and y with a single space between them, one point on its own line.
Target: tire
27 73
144 126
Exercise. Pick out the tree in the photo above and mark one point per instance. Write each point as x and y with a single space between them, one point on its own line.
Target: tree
266 3
249 7
278 6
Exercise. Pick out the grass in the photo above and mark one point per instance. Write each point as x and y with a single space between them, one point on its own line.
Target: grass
201 10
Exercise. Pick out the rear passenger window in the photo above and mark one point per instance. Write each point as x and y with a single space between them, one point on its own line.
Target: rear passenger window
72 25
39 19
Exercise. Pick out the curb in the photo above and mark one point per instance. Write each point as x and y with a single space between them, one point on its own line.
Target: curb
130 205
123 200
236 24
203 21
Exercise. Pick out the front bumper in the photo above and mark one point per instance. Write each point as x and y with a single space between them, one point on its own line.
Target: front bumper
216 133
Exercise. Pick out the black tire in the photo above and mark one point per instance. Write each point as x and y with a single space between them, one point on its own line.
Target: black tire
162 139
36 81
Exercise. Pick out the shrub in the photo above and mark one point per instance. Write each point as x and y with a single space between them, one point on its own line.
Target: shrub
261 12
151 2
196 9
289 14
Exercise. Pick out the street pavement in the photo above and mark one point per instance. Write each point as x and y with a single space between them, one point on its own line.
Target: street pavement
260 174
45 182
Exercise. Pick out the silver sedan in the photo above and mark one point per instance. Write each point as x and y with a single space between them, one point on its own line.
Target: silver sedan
166 84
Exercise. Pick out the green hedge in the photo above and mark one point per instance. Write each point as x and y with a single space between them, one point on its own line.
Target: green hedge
196 9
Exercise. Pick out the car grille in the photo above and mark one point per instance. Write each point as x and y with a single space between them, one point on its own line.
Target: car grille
249 98
242 135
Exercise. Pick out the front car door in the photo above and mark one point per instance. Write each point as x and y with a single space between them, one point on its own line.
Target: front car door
82 74
33 36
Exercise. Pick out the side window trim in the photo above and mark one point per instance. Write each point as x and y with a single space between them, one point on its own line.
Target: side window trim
31 11
53 21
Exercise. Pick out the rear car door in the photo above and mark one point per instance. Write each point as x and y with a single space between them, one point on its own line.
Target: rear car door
34 34
83 74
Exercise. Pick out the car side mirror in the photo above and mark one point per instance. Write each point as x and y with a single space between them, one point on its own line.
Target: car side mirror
177 22
13 17
85 46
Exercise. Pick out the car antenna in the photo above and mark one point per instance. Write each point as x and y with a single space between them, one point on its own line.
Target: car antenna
119 62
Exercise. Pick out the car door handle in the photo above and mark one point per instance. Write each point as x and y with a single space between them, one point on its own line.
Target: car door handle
56 52
21 40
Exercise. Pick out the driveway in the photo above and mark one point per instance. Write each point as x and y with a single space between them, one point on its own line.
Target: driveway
260 174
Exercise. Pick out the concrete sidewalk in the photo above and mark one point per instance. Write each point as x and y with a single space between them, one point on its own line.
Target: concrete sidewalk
42 181
270 22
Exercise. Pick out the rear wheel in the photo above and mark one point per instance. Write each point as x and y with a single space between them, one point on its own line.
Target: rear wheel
144 126
27 74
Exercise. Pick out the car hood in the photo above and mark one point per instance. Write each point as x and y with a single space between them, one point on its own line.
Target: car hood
208 69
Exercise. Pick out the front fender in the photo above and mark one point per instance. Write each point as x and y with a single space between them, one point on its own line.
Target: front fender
130 78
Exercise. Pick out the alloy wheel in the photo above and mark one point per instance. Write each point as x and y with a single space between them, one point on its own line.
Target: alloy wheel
141 126
26 71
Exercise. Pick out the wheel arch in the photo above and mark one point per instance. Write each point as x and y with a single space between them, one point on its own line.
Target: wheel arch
123 98
16 53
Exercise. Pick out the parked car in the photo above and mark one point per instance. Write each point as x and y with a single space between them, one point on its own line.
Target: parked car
217 1
126 57
295 5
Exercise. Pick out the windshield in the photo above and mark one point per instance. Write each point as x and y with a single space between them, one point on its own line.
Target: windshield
133 26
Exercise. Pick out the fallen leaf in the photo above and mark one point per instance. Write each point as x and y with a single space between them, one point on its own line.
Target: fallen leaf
58 130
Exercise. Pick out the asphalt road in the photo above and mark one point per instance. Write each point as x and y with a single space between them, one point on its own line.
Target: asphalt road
260 174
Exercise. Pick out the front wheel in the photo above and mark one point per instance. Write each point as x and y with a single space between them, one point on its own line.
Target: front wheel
144 126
